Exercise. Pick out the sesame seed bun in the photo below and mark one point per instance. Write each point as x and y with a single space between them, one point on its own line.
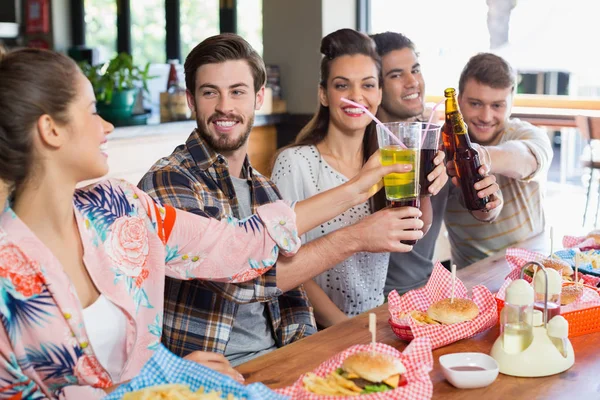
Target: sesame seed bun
450 313
570 294
563 267
373 367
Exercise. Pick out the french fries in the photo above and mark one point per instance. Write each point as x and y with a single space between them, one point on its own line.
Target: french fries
419 316
173 391
333 385
590 257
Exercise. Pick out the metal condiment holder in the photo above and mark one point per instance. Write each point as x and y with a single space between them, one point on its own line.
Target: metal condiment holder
541 357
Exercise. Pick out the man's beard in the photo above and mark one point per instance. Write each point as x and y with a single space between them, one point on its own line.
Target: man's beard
224 143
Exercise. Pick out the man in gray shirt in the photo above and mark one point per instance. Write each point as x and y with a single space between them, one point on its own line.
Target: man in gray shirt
250 334
403 100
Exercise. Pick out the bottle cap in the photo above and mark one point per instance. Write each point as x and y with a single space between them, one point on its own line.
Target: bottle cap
558 327
519 293
554 282
538 318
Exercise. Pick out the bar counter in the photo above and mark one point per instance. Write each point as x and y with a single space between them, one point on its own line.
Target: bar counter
282 367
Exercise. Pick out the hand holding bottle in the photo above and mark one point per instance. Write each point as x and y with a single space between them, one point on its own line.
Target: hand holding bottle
484 158
486 187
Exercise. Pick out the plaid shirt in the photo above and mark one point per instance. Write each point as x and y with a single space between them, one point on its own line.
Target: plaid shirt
199 315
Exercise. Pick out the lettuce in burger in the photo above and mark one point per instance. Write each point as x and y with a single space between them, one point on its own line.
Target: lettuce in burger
373 372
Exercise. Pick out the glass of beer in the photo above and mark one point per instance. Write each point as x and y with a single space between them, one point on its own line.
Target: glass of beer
430 144
403 148
401 190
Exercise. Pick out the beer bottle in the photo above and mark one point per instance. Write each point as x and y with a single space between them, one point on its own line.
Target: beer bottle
447 142
177 99
466 158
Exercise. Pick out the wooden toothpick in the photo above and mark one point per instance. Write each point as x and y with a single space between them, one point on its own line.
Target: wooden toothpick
551 241
577 280
373 330
453 269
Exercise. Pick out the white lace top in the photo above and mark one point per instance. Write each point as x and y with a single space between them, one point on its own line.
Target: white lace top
356 284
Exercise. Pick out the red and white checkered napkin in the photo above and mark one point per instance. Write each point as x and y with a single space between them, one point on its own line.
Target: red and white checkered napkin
516 258
581 242
417 359
590 298
438 288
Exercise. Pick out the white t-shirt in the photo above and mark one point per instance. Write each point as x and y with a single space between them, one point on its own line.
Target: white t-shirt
356 284
106 326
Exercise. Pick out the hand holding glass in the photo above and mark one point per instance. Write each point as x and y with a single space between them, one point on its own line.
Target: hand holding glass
401 189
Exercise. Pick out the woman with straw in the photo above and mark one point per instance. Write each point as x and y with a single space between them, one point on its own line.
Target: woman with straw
328 152
82 270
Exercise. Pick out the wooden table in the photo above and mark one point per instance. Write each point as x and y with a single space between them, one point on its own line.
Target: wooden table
283 367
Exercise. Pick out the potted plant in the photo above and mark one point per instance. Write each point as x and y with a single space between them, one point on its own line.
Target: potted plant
116 85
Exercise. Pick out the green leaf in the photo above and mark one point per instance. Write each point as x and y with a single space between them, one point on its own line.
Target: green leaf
375 388
120 73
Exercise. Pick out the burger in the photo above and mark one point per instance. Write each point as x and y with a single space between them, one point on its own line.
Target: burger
373 372
594 235
570 294
452 312
563 267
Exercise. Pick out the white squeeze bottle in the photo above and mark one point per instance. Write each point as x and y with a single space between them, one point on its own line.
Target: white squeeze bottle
516 318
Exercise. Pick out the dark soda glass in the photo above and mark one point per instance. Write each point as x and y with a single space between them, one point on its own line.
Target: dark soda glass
427 166
412 202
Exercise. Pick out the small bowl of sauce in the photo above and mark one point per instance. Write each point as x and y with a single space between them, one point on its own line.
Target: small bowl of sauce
469 370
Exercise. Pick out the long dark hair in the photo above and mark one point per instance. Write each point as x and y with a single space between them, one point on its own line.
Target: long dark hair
342 42
33 82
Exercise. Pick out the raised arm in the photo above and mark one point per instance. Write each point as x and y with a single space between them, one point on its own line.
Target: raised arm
326 205
222 251
524 156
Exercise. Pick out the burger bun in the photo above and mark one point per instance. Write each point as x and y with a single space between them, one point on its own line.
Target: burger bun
373 367
594 235
570 294
446 312
563 267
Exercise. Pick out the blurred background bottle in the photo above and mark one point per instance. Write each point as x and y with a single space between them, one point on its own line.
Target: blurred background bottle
177 102
466 158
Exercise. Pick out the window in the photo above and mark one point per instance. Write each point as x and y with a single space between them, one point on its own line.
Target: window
101 27
148 34
249 22
544 36
441 31
199 20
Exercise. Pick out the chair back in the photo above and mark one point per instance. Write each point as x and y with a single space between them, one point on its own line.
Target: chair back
589 127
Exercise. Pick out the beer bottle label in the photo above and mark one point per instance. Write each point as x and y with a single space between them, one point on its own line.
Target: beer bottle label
457 122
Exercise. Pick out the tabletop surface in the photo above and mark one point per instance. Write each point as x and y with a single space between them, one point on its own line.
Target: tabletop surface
284 366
